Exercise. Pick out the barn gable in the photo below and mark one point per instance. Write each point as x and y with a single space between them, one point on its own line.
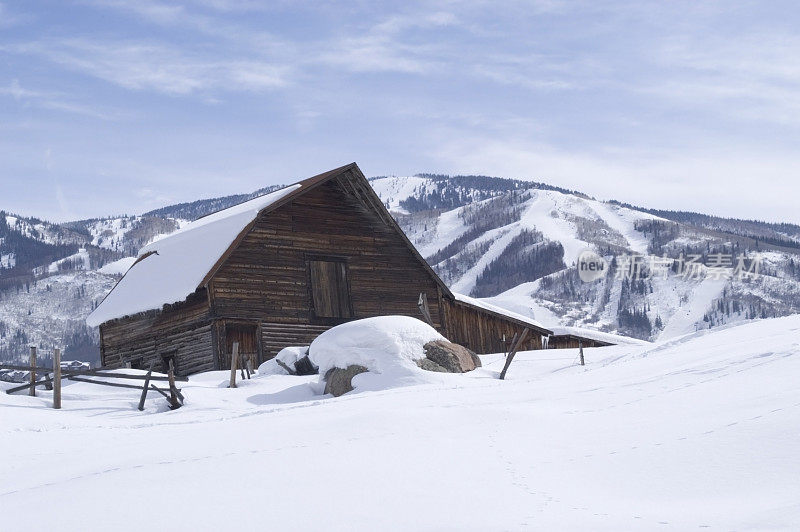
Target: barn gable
323 258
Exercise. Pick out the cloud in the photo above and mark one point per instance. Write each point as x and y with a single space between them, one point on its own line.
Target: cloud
386 47
189 16
754 77
157 67
55 101
417 42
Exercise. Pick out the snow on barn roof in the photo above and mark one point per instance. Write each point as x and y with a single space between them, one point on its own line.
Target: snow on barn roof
170 269
600 336
499 310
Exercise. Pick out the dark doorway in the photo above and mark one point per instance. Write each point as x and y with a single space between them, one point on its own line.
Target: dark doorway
247 336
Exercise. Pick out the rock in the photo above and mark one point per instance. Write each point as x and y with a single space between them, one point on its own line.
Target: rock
338 381
304 366
475 358
429 365
452 357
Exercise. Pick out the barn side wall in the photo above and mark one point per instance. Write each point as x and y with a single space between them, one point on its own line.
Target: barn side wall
484 332
266 279
184 329
572 342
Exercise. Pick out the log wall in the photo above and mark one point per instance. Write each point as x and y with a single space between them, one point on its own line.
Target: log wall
183 329
482 331
568 341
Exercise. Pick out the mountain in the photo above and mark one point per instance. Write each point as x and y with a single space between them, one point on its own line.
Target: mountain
517 244
512 242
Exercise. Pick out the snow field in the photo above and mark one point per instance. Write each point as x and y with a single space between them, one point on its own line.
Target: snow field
697 432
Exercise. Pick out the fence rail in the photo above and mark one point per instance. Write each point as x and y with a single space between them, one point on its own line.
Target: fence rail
172 393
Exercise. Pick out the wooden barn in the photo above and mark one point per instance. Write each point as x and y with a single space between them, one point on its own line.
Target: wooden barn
277 271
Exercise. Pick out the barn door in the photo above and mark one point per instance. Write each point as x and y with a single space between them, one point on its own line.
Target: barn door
330 292
247 336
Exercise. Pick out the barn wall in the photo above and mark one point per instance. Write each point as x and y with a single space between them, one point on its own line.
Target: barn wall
276 336
572 342
482 331
184 329
266 279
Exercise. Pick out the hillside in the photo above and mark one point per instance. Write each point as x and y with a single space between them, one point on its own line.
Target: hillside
517 243
696 433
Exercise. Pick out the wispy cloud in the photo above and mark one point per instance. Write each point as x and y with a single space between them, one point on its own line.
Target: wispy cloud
756 76
201 21
239 57
55 101
138 66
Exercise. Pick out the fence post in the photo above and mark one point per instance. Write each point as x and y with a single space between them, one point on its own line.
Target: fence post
173 390
580 346
234 361
32 391
57 378
145 387
513 351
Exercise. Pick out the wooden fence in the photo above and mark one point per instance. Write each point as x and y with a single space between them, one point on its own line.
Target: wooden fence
172 393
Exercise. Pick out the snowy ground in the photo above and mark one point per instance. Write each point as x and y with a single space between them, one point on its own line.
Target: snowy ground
701 432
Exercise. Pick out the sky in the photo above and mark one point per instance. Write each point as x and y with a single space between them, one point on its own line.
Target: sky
114 106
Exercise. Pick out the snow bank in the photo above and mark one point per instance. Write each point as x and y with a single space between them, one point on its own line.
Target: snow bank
386 345
170 269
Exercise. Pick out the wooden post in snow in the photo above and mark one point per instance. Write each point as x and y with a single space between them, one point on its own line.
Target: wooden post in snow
513 341
580 346
56 378
145 387
32 391
513 352
173 390
234 361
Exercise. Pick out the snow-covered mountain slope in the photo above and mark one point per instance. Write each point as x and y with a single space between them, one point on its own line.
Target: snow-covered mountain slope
693 434
517 243
51 312
52 276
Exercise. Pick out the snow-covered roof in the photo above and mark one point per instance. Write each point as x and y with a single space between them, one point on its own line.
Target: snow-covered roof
498 310
600 336
170 269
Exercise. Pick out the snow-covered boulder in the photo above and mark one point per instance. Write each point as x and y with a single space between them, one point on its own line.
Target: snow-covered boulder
288 356
386 346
